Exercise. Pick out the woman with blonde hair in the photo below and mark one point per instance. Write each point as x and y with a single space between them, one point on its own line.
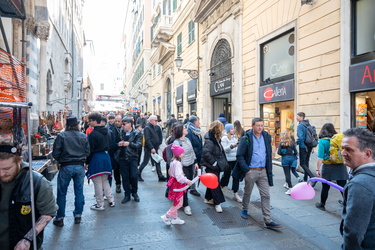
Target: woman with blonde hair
288 151
215 161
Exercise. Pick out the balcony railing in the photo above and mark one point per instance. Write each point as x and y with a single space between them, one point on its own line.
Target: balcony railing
162 30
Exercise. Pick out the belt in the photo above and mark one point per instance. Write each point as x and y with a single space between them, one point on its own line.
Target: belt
259 169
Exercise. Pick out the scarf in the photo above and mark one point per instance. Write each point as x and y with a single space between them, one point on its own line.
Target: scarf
194 129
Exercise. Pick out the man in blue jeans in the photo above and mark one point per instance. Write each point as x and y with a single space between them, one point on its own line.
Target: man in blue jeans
304 150
70 149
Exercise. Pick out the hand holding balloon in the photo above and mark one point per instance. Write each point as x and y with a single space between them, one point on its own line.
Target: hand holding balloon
208 179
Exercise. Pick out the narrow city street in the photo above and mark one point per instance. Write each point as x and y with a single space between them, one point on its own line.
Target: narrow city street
138 225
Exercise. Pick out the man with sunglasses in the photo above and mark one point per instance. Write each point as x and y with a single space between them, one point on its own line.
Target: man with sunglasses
129 147
151 147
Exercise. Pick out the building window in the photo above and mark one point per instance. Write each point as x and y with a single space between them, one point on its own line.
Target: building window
179 44
191 32
363 30
102 86
174 5
277 59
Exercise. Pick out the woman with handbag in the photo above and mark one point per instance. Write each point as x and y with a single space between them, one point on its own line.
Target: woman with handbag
189 161
214 161
230 143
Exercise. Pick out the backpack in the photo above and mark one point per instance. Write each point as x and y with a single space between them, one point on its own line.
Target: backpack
335 149
311 139
167 152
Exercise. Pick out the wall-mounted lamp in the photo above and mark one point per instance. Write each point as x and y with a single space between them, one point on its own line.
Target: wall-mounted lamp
310 2
192 72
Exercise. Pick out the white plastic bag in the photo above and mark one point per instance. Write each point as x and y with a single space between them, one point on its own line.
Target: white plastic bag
157 158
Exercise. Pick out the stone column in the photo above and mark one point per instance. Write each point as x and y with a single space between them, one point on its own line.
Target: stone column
42 32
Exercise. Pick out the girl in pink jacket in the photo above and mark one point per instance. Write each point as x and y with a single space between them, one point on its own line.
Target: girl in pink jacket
176 180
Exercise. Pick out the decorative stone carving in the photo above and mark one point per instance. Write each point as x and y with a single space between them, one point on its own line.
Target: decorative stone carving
42 30
30 23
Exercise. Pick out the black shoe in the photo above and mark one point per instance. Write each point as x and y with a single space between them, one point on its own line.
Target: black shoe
118 188
320 206
126 199
162 178
195 193
59 223
140 178
77 220
136 197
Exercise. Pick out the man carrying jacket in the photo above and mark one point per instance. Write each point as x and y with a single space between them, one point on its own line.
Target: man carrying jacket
15 201
152 144
129 145
254 164
70 149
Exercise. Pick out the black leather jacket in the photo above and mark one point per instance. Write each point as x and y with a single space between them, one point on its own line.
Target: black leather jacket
135 143
71 148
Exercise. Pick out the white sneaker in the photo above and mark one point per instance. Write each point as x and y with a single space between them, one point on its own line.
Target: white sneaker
285 185
218 209
288 191
209 201
166 219
178 221
187 210
153 169
97 207
237 198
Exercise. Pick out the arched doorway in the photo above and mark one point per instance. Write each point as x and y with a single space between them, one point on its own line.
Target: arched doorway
221 80
169 98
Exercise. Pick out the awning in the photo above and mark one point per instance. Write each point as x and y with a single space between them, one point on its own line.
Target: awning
12 9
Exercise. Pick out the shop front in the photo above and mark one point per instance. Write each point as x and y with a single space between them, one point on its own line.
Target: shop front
192 96
277 86
362 89
179 102
277 109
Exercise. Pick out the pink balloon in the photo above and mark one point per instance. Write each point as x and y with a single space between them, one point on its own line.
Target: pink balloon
302 191
209 180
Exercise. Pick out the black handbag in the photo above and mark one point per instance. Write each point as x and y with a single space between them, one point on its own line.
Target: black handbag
222 163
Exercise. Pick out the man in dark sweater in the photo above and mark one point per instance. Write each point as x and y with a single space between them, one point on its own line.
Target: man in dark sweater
152 143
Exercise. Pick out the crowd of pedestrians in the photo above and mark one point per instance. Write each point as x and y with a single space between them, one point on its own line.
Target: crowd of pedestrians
100 147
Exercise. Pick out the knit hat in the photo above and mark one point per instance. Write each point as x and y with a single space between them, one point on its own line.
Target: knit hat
228 127
177 150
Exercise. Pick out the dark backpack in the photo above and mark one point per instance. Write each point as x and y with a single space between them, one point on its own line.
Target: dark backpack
311 139
167 152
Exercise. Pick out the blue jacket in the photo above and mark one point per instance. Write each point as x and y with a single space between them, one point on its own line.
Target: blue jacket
245 153
301 133
196 142
358 215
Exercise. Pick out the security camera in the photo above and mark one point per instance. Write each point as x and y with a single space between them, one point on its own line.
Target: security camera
211 74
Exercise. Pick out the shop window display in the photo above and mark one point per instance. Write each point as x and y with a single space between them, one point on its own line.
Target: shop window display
278 117
365 110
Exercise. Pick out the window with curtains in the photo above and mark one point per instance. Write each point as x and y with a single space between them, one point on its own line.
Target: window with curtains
179 44
191 32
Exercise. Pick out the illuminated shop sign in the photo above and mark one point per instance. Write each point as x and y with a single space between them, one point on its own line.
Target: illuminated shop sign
362 76
283 91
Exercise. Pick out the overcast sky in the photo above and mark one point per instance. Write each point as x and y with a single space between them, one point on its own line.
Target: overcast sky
103 23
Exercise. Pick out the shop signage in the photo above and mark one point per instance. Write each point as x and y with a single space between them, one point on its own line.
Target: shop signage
179 94
283 91
192 90
362 76
221 86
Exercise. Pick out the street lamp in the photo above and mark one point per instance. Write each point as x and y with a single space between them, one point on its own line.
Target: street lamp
192 72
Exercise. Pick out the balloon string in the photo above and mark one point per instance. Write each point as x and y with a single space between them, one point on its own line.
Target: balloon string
341 189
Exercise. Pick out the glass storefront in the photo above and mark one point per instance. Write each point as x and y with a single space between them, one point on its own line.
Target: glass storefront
277 117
